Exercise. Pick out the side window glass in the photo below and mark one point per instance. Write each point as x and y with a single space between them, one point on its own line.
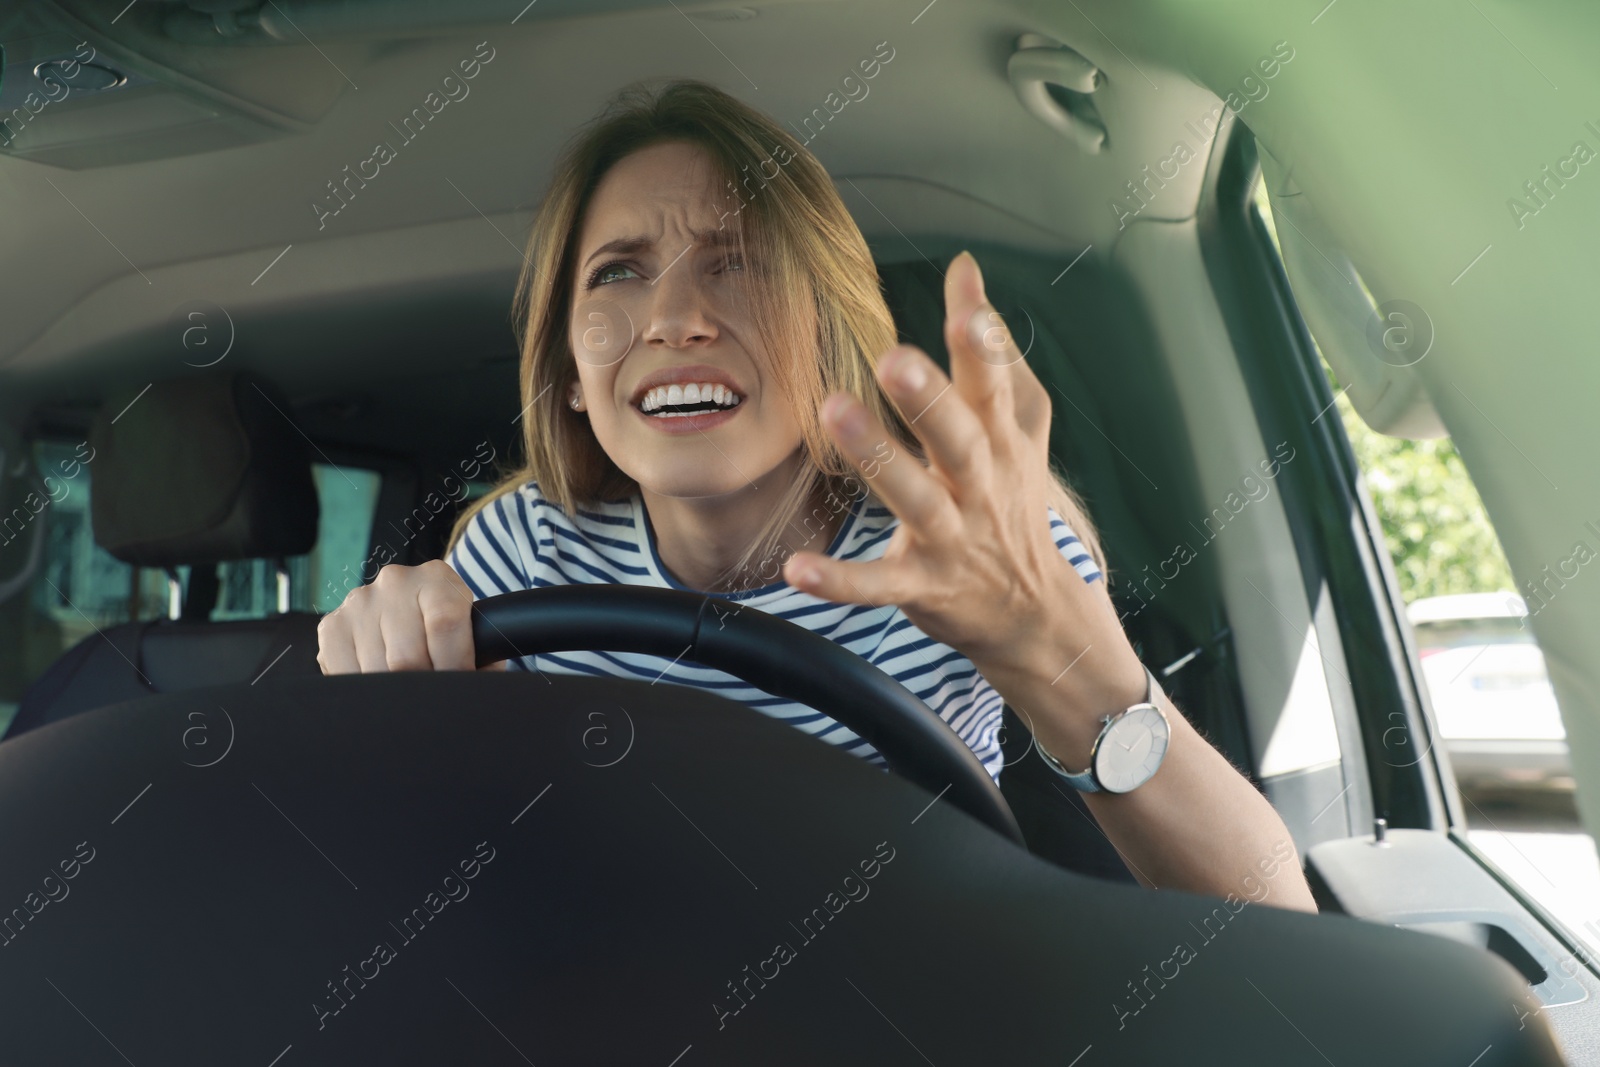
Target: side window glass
1495 710
348 496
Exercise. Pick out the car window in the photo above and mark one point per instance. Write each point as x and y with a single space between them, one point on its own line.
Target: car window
1495 709
78 588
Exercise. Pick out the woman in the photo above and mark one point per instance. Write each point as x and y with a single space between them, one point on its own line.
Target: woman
713 400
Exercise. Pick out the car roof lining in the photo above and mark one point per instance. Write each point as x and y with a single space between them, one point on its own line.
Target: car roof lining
207 226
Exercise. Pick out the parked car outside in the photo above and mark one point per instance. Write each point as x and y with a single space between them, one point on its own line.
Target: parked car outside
1496 710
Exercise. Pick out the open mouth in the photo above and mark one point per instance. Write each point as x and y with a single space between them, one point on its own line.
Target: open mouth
693 398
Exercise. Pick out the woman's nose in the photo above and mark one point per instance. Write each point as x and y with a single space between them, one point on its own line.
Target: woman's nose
679 315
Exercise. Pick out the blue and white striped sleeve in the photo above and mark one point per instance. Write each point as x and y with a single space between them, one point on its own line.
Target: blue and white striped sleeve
489 556
1068 544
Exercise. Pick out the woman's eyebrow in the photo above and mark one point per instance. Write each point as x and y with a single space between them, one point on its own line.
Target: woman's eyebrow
638 243
625 245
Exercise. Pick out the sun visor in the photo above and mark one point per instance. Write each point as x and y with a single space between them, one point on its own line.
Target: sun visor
1372 346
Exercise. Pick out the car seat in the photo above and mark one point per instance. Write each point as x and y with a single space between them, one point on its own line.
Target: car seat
194 471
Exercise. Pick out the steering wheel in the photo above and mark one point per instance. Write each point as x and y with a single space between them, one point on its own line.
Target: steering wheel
771 654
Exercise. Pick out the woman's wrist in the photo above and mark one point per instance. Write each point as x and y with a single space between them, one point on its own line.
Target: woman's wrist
1063 686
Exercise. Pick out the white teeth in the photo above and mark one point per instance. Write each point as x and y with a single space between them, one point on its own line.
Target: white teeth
688 393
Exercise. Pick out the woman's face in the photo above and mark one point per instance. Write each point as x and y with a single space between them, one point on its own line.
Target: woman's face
670 370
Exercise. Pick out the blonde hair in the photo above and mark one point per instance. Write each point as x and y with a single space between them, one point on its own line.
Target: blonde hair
816 301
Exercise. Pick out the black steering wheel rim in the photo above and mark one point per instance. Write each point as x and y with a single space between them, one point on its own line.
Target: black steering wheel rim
772 654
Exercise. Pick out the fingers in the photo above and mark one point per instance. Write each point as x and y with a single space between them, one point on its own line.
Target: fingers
965 420
902 483
404 638
409 618
990 371
336 650
445 608
980 345
953 436
1031 404
367 635
874 583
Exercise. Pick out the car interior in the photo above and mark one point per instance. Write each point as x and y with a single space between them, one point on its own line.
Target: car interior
262 401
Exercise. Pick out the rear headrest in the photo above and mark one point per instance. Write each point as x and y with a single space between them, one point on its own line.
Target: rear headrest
201 470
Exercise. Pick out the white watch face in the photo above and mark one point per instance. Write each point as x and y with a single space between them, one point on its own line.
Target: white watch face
1131 748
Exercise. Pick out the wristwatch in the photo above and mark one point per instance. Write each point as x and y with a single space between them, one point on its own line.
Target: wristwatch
1126 754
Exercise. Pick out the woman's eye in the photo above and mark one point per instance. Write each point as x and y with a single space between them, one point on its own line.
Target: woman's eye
733 263
608 272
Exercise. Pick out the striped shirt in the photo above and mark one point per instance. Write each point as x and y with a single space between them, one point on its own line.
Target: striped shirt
523 541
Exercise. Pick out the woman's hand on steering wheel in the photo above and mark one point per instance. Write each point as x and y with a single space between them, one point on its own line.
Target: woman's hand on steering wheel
408 619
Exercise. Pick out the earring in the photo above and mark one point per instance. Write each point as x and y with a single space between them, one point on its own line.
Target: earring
576 402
